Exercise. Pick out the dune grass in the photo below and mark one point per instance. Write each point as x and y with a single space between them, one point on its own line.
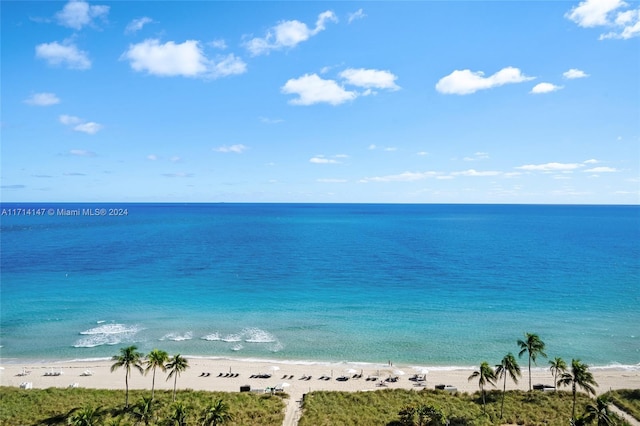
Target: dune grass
628 400
382 407
53 406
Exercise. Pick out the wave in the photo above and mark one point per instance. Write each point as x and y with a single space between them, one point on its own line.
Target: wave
257 335
106 334
212 337
178 337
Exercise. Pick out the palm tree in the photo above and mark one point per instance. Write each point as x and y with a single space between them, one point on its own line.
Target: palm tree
177 364
599 412
216 414
129 357
579 376
534 347
557 366
485 375
143 411
178 416
87 416
507 367
156 359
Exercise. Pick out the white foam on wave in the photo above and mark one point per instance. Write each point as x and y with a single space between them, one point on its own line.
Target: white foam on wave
257 335
237 347
106 334
212 337
176 337
230 338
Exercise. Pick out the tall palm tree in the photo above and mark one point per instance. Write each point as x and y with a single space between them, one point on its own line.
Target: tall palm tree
216 414
599 412
129 358
485 375
176 365
507 367
557 366
155 359
578 376
534 347
86 416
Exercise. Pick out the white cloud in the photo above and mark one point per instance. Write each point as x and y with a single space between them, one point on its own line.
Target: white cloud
185 59
372 147
475 173
370 78
152 157
465 82
593 13
228 65
402 177
477 156
76 14
267 120
288 34
358 14
238 148
607 13
601 170
79 125
574 73
544 88
549 167
63 54
219 44
591 161
42 99
90 128
321 159
628 23
311 89
82 153
422 153
69 120
137 24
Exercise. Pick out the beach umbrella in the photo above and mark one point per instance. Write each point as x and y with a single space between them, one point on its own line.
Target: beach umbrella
399 372
274 368
284 385
352 371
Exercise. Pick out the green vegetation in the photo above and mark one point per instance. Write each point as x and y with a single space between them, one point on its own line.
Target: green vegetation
628 400
57 406
394 407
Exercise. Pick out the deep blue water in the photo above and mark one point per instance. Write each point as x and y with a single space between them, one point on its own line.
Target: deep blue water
437 285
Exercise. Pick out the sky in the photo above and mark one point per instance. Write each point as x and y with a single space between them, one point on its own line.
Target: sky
327 102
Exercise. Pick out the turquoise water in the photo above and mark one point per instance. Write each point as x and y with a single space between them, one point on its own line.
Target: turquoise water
437 285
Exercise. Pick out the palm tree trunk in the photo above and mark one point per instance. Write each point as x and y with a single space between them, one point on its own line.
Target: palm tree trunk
573 409
153 382
126 390
175 382
504 389
530 388
484 404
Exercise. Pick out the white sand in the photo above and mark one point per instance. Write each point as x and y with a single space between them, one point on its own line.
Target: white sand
101 377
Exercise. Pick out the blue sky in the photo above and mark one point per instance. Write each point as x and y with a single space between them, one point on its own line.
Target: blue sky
394 102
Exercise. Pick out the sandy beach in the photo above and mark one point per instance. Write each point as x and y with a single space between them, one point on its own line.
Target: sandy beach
209 374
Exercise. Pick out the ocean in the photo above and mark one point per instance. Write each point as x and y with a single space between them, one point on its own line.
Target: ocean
431 285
